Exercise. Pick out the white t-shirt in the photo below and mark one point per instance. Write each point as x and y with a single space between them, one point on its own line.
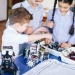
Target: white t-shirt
12 38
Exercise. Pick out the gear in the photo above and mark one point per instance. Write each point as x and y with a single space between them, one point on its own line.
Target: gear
30 63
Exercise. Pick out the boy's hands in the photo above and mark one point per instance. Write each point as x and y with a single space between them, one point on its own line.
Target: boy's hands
41 29
66 45
48 41
48 38
29 30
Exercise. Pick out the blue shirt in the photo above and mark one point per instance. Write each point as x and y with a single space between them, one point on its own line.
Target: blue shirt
62 25
37 13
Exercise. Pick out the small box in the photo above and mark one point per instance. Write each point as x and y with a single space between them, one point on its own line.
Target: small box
66 59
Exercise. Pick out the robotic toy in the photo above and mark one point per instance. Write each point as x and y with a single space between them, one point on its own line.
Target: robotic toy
7 65
56 46
35 54
69 53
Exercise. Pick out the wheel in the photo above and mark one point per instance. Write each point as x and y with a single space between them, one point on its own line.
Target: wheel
30 63
18 72
2 72
14 73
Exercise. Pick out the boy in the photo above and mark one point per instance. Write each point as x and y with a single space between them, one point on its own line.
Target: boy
19 19
36 9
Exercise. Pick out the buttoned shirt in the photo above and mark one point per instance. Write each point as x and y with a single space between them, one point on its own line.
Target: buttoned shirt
12 38
37 13
62 25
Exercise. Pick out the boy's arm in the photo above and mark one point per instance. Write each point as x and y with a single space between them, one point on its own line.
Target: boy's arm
38 37
40 29
17 38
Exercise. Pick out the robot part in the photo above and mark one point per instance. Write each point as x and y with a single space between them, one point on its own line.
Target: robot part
46 55
56 46
35 54
30 63
7 65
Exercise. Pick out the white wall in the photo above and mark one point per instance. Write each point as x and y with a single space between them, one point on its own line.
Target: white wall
48 4
3 10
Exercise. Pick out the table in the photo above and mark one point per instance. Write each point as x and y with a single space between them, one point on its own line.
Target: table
21 63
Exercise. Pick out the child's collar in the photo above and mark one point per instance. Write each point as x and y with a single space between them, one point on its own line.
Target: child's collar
9 27
65 14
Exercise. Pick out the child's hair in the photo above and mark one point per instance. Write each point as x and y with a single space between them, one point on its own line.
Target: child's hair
19 15
71 32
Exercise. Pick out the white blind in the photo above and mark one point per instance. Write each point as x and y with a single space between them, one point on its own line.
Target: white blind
3 10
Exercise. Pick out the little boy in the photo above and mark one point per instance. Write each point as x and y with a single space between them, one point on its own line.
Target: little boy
19 19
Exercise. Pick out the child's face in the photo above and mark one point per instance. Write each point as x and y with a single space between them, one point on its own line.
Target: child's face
22 28
63 7
35 3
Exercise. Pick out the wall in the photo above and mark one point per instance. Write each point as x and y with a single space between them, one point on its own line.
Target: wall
3 10
48 4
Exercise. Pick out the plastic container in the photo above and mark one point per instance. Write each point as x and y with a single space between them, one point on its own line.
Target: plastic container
66 59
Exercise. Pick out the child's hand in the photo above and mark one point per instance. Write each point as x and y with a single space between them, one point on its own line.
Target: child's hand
66 45
50 24
48 41
29 30
48 36
41 29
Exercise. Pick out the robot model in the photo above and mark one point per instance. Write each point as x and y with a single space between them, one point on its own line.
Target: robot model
69 53
7 65
35 54
56 46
